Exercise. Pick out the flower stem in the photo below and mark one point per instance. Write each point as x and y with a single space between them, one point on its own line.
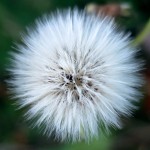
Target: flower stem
142 35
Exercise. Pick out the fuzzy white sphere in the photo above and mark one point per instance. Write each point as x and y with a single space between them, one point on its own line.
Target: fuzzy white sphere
74 72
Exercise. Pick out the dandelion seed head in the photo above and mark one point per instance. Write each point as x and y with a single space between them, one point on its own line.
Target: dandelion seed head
75 71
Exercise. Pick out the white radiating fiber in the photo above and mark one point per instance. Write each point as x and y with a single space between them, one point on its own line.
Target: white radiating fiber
75 71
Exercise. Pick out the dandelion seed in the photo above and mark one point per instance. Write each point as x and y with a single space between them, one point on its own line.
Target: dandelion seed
74 72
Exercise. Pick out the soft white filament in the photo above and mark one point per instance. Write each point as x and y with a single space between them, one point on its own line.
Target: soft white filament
74 72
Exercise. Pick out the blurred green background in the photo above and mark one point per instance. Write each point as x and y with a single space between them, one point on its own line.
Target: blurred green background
15 133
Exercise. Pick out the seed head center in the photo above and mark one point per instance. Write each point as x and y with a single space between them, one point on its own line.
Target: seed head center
73 81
